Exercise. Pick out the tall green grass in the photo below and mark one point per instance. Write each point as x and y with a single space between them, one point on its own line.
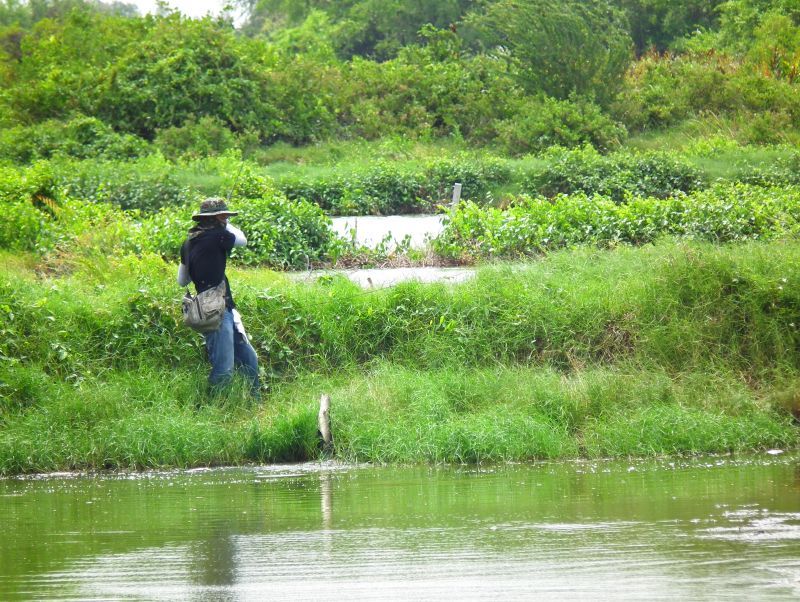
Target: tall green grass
155 417
675 348
681 306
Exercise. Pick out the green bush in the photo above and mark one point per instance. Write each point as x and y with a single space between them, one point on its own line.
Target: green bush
42 227
663 91
539 124
560 47
784 171
205 137
281 233
434 90
384 188
79 138
179 69
584 170
42 216
31 200
144 185
724 213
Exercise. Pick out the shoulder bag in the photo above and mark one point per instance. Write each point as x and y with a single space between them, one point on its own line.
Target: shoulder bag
204 312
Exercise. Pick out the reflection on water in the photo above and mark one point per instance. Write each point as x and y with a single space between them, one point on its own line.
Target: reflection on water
706 529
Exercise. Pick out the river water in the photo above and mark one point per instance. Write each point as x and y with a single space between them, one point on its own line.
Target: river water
371 230
712 528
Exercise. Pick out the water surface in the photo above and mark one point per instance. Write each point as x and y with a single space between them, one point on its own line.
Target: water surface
669 530
371 230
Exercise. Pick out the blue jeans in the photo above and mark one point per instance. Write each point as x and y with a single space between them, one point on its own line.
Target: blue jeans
227 350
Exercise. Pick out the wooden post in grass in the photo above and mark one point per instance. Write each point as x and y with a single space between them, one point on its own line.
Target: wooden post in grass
324 420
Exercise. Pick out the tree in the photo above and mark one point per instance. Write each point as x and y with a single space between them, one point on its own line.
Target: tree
28 13
561 47
60 61
776 47
188 68
658 23
739 19
375 29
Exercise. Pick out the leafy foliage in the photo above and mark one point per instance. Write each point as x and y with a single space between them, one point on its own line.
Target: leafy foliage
657 24
383 188
84 80
617 176
145 185
185 68
539 124
739 19
667 90
560 47
776 47
376 29
721 214
79 138
206 137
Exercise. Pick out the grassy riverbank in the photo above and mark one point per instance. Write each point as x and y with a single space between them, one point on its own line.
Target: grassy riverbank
668 349
387 413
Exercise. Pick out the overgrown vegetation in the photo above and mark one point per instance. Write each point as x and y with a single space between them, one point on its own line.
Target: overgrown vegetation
81 79
587 352
530 226
640 155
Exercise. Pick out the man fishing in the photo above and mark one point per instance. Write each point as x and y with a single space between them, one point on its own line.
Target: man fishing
203 260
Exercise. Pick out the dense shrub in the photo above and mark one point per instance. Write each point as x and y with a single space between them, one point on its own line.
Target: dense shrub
539 124
661 91
205 137
309 98
42 216
182 68
282 233
616 176
783 171
30 199
432 90
560 47
38 222
79 138
59 62
387 189
721 214
145 185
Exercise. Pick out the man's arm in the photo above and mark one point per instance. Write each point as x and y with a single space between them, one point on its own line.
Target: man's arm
183 275
240 240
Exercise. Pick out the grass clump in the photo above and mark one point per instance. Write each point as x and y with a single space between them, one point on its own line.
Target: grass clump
146 418
157 418
397 414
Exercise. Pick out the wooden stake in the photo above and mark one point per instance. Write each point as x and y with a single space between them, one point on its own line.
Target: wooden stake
324 420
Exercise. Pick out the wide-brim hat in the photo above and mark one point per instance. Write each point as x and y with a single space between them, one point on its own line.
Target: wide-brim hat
213 206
